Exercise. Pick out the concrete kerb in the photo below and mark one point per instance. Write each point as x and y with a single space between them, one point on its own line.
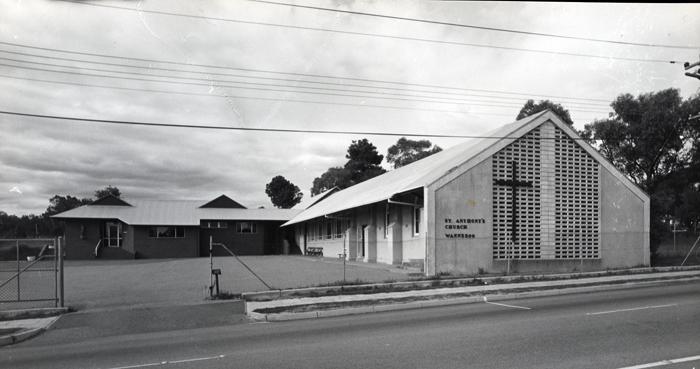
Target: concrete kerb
32 313
26 334
447 301
287 293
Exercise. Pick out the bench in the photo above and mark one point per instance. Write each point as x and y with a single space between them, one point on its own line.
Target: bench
314 251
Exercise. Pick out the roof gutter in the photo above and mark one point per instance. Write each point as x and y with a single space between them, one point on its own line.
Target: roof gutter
390 201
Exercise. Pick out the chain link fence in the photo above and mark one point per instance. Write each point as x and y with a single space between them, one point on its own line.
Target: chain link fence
31 272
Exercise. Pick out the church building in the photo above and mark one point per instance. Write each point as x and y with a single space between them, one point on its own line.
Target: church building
531 196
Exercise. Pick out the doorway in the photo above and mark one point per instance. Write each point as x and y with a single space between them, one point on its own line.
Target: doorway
363 243
114 234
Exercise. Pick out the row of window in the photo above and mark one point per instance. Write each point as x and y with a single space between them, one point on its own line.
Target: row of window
241 227
325 229
179 232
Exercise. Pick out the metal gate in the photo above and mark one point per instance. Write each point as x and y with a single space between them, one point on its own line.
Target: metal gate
31 273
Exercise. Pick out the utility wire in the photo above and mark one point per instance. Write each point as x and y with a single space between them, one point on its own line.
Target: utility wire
245 97
437 99
296 74
265 78
265 89
381 35
229 128
216 82
461 25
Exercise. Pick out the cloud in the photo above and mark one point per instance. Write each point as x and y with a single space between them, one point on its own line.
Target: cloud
47 157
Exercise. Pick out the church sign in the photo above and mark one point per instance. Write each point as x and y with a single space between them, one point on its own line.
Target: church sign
461 227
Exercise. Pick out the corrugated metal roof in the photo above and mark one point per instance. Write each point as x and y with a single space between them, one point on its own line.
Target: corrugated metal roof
415 175
172 212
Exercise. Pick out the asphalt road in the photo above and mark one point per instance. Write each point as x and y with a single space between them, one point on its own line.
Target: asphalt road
615 329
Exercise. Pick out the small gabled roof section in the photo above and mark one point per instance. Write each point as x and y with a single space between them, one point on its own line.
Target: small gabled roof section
223 202
110 200
311 201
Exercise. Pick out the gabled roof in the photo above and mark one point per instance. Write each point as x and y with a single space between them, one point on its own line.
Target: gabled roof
223 201
426 171
309 202
110 200
173 212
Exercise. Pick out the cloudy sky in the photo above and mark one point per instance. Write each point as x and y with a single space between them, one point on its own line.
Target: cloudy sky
260 65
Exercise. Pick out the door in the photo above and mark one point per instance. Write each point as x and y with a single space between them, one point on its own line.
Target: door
114 234
364 241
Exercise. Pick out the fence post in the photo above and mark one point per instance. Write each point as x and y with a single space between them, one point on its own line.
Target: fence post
55 271
18 275
59 248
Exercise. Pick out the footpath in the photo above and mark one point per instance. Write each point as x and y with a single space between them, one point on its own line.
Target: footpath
19 325
308 303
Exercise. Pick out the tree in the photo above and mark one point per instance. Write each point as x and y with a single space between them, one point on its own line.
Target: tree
333 177
363 163
407 151
646 138
109 190
531 107
59 204
649 138
283 193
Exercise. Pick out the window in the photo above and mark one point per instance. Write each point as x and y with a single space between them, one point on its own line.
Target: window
246 227
329 229
82 232
215 224
416 220
166 232
338 228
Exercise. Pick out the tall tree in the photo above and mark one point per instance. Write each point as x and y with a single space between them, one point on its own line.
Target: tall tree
364 162
531 107
333 177
650 139
407 151
59 204
647 138
283 193
109 190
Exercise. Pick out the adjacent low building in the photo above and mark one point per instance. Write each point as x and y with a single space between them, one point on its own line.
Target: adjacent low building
114 228
530 196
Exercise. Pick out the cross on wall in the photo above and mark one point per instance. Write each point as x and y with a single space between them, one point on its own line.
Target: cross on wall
513 183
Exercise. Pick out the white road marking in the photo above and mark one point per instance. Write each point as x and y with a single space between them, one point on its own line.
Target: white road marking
196 359
632 309
663 363
506 305
170 362
136 366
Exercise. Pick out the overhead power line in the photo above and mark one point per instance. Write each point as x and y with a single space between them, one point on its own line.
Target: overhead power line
222 83
406 38
250 129
169 62
209 73
204 84
171 92
462 25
